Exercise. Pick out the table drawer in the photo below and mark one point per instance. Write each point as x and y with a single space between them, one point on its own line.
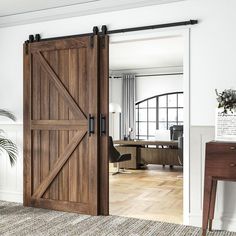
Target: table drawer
221 165
221 148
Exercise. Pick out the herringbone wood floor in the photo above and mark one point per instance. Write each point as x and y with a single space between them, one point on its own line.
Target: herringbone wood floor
154 194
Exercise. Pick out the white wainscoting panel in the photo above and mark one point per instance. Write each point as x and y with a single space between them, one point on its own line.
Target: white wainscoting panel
11 178
225 213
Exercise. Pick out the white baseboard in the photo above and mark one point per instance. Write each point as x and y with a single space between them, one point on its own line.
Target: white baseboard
11 196
224 223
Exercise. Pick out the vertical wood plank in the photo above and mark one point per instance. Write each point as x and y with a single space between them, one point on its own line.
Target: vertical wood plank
45 116
73 89
36 116
63 176
103 143
26 125
53 135
93 139
83 148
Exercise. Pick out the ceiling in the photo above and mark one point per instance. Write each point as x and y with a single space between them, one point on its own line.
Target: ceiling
14 12
12 7
147 54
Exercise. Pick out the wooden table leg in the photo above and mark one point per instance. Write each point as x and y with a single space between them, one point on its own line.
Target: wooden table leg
212 203
206 203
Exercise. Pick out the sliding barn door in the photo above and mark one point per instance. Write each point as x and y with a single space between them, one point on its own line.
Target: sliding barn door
61 122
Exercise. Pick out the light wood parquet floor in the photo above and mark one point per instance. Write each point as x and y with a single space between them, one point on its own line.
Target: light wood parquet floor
155 193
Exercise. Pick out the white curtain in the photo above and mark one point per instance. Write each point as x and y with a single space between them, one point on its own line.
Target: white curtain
128 105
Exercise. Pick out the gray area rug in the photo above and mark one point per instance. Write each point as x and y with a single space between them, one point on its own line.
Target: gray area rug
18 220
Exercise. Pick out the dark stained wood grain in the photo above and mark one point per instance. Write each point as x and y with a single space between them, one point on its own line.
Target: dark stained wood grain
57 124
81 208
83 100
36 115
212 203
206 203
59 85
63 44
60 158
73 89
104 110
53 114
59 164
93 139
63 176
45 109
220 164
26 126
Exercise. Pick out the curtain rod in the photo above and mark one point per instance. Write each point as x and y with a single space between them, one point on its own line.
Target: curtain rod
147 75
104 30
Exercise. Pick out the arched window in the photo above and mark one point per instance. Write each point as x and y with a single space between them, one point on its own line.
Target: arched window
158 112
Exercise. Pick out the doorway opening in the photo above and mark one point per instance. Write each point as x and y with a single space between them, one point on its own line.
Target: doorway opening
149 125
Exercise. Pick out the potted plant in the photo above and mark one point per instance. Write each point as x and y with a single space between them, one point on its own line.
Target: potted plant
227 100
6 145
226 115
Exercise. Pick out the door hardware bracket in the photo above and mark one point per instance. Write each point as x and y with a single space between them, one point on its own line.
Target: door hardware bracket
37 37
95 32
104 32
31 38
26 46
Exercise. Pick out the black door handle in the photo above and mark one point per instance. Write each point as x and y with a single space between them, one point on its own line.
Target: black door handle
102 125
90 125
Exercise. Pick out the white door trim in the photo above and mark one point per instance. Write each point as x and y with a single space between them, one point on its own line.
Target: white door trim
185 33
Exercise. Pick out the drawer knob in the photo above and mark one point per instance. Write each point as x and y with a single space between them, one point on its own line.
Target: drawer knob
232 148
232 164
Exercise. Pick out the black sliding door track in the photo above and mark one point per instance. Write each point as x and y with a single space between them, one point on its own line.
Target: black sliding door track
151 27
125 30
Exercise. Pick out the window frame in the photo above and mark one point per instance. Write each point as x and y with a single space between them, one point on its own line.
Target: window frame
167 107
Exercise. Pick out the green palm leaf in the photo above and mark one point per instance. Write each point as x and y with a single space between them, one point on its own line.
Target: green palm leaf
10 148
6 145
7 114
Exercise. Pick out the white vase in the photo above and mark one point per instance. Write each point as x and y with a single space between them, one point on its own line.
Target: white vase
225 126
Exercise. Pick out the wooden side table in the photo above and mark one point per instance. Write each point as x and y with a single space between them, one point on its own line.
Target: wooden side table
220 165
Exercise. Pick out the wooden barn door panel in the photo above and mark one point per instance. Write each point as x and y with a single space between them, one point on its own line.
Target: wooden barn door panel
60 157
104 112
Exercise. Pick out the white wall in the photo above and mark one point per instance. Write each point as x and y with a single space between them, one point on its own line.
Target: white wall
212 48
115 96
11 178
154 85
212 62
